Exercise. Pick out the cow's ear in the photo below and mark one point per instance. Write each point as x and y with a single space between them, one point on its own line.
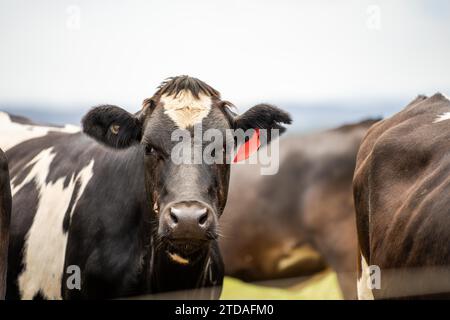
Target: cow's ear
263 116
113 126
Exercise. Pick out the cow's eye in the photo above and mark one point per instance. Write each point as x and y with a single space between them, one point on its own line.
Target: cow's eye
149 150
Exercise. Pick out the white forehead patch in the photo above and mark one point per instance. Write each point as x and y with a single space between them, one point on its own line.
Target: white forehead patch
442 117
185 109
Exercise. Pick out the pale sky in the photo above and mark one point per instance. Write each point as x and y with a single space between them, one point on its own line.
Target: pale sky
78 53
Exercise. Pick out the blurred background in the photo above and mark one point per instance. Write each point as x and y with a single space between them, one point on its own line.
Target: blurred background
326 62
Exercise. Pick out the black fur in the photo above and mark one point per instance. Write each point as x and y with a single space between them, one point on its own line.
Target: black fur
263 116
173 85
5 216
97 124
400 188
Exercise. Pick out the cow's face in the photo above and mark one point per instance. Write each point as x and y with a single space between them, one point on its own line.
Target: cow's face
186 192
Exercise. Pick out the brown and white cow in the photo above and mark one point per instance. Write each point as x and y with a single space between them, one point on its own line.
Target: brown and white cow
298 221
401 190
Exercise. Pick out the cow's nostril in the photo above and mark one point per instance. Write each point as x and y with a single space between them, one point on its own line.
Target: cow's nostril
202 219
173 217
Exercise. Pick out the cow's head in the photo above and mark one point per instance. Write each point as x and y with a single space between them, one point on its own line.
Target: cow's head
186 198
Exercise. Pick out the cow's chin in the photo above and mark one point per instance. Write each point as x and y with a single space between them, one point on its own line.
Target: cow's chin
186 251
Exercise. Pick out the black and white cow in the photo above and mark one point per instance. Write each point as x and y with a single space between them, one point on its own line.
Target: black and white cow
5 212
121 211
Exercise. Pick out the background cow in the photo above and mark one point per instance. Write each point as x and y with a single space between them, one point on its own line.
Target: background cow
5 212
131 220
306 208
401 190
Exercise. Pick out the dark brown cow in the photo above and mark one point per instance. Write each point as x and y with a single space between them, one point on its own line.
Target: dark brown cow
5 213
307 204
401 189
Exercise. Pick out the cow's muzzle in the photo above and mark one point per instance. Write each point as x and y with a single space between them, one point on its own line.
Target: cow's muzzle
188 225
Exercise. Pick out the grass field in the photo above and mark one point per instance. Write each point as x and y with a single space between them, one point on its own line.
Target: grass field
323 286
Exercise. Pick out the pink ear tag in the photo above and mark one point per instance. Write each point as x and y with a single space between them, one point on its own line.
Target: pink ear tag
248 148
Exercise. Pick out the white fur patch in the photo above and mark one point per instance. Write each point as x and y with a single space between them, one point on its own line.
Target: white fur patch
364 291
45 242
186 110
442 117
12 133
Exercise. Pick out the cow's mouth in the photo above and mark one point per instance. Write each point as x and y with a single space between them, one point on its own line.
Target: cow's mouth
185 251
186 247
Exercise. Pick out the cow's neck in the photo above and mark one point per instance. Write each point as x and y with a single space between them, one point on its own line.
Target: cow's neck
169 275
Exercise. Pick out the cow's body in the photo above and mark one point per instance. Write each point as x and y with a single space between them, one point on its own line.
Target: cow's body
313 188
401 188
60 176
5 213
